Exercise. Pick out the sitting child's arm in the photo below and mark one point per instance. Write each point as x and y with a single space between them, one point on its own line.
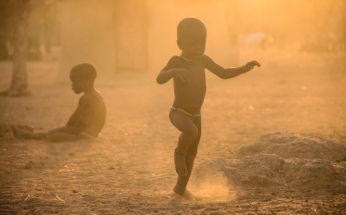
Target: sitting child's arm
171 71
82 104
228 72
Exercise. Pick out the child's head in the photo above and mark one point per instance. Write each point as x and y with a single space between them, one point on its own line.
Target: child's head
192 35
82 77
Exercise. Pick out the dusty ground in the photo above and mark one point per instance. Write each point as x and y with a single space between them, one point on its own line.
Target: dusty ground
129 170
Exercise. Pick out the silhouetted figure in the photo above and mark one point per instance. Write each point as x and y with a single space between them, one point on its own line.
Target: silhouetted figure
187 71
89 117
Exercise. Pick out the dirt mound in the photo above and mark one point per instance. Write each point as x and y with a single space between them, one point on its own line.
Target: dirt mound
291 145
240 172
264 170
283 170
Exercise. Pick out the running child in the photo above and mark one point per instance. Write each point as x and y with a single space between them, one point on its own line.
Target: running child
89 117
187 71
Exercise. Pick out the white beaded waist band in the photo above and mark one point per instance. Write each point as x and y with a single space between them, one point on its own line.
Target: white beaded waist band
174 108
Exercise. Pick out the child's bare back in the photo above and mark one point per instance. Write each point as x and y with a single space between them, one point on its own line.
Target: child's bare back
89 117
93 115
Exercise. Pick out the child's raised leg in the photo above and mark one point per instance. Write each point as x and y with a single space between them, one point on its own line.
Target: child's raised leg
191 153
187 145
189 133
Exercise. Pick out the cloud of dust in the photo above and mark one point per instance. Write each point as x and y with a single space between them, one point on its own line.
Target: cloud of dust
162 35
141 35
87 35
215 188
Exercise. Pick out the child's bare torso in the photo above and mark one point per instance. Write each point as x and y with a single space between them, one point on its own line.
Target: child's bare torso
189 96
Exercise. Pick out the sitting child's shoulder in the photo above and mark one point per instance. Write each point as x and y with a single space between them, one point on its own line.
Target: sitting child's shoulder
92 95
85 98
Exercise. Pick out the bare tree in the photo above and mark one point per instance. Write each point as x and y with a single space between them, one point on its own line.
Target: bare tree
20 17
343 23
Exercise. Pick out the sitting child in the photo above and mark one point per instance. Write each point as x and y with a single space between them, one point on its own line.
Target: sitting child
187 71
89 117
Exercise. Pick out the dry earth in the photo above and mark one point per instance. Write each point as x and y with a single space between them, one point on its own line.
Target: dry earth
129 169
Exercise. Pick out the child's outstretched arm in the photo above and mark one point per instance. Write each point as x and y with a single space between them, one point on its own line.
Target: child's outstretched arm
171 70
82 104
228 72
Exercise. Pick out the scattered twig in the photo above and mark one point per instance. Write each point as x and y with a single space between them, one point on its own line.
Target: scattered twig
56 195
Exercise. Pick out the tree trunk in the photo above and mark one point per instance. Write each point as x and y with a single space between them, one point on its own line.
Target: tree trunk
343 27
48 25
19 83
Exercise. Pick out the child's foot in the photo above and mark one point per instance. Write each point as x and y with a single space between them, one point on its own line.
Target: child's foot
18 133
182 191
189 196
180 166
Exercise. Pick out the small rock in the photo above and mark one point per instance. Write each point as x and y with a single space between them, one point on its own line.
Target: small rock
75 191
29 165
111 168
